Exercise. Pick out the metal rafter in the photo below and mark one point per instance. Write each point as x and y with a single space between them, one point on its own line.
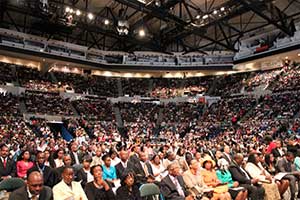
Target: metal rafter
258 7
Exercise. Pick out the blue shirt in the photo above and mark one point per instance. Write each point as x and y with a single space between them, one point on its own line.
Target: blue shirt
109 173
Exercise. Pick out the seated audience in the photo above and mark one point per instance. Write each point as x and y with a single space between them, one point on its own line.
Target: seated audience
67 188
255 171
240 175
211 180
129 189
98 189
24 163
34 189
173 186
7 165
223 174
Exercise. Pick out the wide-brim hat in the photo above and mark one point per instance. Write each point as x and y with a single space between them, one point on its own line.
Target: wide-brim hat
208 159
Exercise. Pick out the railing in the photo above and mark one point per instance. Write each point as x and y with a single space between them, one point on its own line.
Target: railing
38 44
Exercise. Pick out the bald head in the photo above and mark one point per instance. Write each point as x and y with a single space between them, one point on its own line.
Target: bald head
35 183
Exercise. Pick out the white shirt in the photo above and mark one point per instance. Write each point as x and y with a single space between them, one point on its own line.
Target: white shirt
30 195
178 186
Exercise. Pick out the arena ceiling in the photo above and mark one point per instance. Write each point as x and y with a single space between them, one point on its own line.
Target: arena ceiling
170 25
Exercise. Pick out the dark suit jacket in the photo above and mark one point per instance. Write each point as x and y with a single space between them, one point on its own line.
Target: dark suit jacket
21 194
80 156
10 169
48 175
238 175
94 193
120 169
81 176
169 189
124 194
138 170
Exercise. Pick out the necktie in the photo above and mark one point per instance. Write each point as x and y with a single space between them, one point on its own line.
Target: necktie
146 169
178 187
4 163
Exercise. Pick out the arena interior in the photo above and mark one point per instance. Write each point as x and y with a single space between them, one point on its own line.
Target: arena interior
149 99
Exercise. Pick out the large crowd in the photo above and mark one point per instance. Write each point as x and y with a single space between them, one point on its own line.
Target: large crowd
241 147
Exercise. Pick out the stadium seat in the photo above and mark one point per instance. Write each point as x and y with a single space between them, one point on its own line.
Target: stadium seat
11 184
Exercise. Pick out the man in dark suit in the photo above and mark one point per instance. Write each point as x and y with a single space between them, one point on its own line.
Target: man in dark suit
172 186
75 155
286 164
278 151
49 175
123 164
7 165
34 189
226 154
239 174
134 157
141 169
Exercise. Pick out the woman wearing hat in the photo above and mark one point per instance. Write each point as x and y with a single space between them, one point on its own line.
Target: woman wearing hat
210 179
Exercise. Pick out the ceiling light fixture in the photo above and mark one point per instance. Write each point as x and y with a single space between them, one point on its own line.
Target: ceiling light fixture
90 16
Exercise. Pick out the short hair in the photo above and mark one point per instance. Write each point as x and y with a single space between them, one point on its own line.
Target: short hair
172 165
87 158
289 153
93 168
3 145
66 168
105 156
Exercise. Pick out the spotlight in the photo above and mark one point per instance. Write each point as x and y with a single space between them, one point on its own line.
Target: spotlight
205 17
106 22
71 10
215 12
222 9
67 9
198 17
78 12
90 16
142 33
123 27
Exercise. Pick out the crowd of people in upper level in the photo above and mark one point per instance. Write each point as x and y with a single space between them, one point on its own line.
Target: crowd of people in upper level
234 148
276 80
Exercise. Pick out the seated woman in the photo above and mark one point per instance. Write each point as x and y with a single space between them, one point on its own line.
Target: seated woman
210 179
98 189
252 167
24 163
84 174
269 165
128 190
224 176
157 169
194 181
109 172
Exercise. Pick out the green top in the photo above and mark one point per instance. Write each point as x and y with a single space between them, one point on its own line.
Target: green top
225 177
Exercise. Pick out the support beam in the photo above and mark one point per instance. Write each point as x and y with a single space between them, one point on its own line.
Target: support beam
258 8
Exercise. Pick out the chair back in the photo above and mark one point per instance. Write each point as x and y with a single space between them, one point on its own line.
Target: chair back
150 191
11 184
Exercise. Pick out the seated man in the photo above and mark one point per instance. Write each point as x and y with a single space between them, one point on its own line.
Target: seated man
172 186
7 165
240 175
33 190
68 189
286 164
48 173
